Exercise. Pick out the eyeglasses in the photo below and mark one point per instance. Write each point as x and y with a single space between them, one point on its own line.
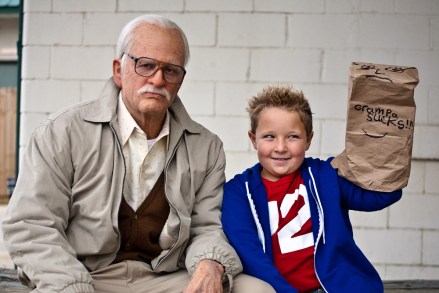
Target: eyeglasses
146 67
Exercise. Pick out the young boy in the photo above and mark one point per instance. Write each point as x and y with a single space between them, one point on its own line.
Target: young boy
287 216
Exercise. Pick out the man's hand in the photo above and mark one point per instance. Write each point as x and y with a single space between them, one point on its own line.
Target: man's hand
207 278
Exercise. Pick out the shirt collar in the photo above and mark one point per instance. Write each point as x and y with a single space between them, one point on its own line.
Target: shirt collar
127 124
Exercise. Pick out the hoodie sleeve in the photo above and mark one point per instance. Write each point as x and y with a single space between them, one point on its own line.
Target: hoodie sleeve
241 230
359 199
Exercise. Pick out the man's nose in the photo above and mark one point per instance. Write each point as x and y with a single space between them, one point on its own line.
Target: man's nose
158 79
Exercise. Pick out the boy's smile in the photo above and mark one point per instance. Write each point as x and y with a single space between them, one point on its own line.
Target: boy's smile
280 141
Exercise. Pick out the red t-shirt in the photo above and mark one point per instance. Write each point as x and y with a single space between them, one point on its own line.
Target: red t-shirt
291 231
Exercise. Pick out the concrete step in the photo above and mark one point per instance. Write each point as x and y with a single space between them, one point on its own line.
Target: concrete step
9 283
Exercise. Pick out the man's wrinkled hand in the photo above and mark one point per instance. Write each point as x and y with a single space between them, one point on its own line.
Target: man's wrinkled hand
207 278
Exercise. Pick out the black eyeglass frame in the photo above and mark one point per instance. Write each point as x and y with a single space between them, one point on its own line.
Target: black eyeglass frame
160 65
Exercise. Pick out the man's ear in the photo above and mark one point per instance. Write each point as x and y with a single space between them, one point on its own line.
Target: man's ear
252 137
117 72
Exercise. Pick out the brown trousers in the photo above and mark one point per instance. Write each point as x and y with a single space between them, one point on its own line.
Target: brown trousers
137 277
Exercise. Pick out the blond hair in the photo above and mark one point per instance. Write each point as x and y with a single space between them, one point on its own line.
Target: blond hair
281 96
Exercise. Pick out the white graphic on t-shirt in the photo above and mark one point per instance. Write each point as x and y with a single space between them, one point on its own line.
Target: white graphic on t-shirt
287 242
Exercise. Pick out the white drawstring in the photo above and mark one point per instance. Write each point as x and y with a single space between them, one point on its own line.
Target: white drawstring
255 217
319 208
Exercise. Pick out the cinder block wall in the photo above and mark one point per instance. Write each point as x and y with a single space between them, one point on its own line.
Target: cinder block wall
240 46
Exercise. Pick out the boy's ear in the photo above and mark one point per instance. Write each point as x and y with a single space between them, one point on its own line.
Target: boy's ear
252 137
309 139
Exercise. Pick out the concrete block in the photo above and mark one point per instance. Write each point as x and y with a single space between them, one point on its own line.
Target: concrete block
88 6
200 28
208 64
251 30
415 211
434 31
368 6
82 62
426 7
290 6
376 6
426 62
91 89
431 177
336 62
411 272
49 96
425 142
393 32
231 98
198 98
231 130
150 6
433 102
37 6
333 137
381 269
430 253
315 148
46 29
21 151
334 31
237 162
328 101
384 246
376 219
36 62
224 5
28 123
416 179
335 67
423 108
343 6
110 23
285 65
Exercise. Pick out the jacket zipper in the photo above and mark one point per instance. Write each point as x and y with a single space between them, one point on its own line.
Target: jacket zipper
166 180
123 183
320 212
119 147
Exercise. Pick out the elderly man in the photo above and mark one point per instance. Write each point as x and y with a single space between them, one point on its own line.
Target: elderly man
123 194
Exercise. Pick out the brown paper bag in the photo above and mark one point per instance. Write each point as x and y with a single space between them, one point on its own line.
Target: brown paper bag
380 125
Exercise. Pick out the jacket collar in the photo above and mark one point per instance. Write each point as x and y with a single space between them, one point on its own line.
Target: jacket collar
257 190
104 110
253 174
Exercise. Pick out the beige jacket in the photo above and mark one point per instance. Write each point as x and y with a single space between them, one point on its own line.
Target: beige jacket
62 220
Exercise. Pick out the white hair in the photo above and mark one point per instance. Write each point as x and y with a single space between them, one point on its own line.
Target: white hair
124 42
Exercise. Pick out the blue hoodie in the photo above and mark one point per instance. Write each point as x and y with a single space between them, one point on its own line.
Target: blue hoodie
340 265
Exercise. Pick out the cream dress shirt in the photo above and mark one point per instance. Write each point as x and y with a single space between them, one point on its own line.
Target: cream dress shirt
144 158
